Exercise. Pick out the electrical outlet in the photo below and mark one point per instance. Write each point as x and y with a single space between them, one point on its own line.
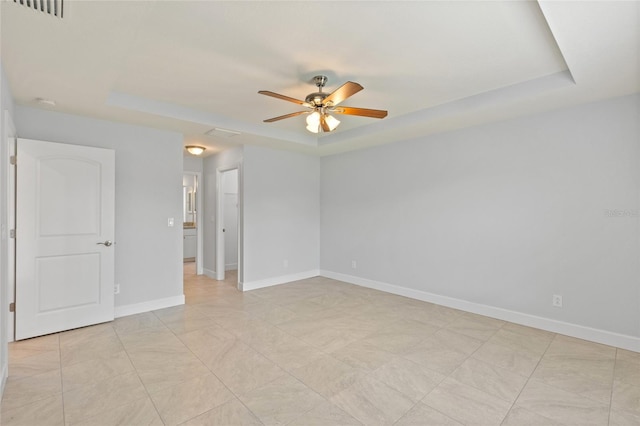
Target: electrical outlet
557 301
285 263
116 289
354 265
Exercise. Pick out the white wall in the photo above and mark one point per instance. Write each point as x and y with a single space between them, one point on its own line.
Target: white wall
223 160
6 104
502 215
281 216
148 192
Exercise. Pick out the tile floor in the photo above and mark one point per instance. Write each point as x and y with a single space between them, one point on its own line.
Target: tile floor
315 352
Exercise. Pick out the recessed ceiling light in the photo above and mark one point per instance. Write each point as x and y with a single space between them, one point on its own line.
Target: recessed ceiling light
46 102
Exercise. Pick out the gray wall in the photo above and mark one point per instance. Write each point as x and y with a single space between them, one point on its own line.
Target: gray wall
281 213
6 104
191 163
148 191
503 215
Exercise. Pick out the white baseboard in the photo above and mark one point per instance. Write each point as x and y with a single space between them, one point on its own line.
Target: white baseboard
209 273
151 305
268 282
574 330
230 266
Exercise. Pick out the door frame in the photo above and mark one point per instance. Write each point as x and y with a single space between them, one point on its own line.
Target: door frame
220 264
9 290
199 220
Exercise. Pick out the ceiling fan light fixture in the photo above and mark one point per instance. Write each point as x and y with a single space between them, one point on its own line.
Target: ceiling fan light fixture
195 149
331 121
313 122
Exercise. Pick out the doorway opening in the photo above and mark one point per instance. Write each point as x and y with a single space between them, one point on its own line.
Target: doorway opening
228 224
192 221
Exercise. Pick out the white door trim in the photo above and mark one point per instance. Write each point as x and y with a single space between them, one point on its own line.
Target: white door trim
10 181
220 263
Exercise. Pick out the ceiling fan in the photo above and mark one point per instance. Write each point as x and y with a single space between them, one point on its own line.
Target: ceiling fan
320 104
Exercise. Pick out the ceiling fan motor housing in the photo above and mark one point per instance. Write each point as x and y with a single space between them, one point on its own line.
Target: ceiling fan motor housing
316 98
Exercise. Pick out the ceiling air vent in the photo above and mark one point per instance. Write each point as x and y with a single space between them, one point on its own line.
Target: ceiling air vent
52 7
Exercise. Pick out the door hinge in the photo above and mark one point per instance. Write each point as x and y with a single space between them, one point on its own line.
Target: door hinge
12 307
13 160
12 233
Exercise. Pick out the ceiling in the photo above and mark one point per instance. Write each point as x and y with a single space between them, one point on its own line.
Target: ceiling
194 66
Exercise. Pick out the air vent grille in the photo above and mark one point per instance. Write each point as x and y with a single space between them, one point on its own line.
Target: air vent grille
51 7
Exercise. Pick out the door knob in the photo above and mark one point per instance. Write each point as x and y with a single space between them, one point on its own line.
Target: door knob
106 243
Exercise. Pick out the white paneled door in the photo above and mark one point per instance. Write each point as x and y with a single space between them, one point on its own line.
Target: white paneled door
64 237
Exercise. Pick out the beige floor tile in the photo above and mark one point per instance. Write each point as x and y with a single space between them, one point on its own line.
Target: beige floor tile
37 363
291 353
152 339
327 376
161 370
189 399
522 340
409 378
561 406
438 316
626 397
466 404
325 414
82 335
208 344
88 401
394 342
272 314
520 417
134 323
493 380
519 361
363 355
590 377
20 392
623 418
91 372
565 346
476 326
372 402
35 346
243 369
100 347
627 366
281 401
443 352
47 411
258 334
331 339
338 300
422 415
185 325
230 413
523 330
138 412
302 327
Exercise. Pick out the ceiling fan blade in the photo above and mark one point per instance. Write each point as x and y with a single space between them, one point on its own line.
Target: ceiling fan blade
343 92
364 112
283 97
282 117
324 125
